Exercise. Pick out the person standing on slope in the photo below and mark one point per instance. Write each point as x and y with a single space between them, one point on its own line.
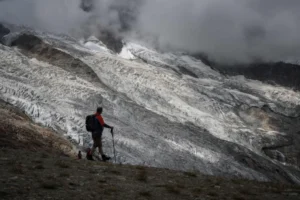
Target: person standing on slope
97 134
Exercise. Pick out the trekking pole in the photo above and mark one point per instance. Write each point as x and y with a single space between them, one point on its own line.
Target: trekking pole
112 133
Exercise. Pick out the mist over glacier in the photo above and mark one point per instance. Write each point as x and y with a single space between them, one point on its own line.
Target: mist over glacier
227 30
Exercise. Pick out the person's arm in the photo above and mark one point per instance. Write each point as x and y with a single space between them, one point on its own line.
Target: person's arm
111 129
101 120
107 126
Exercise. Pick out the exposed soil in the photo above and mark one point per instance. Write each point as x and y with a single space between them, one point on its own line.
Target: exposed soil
17 131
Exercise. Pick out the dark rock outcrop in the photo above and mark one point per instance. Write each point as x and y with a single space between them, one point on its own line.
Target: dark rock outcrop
32 46
3 31
284 74
87 5
185 71
280 73
112 42
286 148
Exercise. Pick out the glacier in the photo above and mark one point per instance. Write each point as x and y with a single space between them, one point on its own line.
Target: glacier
169 110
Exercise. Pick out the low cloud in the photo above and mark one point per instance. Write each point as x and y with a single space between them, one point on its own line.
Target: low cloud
226 30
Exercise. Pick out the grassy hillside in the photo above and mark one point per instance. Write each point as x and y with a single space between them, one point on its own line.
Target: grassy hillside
36 163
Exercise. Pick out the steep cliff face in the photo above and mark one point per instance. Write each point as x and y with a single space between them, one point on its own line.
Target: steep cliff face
169 110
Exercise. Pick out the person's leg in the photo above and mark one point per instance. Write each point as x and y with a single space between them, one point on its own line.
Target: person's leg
99 144
94 144
89 155
93 149
97 139
104 157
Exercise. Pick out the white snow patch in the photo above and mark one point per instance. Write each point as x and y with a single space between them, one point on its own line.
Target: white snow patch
96 47
202 153
126 54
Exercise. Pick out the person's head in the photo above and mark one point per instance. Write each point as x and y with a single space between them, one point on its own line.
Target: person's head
99 110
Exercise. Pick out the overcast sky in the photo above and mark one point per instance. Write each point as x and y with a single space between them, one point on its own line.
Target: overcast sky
228 30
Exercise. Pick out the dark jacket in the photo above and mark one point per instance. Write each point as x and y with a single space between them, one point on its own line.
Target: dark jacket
100 125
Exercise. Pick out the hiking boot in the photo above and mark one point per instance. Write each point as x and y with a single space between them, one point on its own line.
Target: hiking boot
105 158
89 155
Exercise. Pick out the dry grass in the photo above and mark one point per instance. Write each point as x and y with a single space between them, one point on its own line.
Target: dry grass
238 197
142 175
3 193
17 168
116 172
64 174
236 181
145 194
246 191
110 190
279 188
93 171
166 185
50 184
213 193
102 181
197 191
40 166
45 155
112 171
139 167
37 161
62 164
172 189
190 174
159 185
51 177
181 186
74 184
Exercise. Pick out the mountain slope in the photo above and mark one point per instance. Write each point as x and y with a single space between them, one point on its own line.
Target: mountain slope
36 163
169 110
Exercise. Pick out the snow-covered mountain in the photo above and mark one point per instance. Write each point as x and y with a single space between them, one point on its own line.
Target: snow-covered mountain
169 109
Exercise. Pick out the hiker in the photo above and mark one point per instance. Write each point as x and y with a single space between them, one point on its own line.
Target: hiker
97 134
